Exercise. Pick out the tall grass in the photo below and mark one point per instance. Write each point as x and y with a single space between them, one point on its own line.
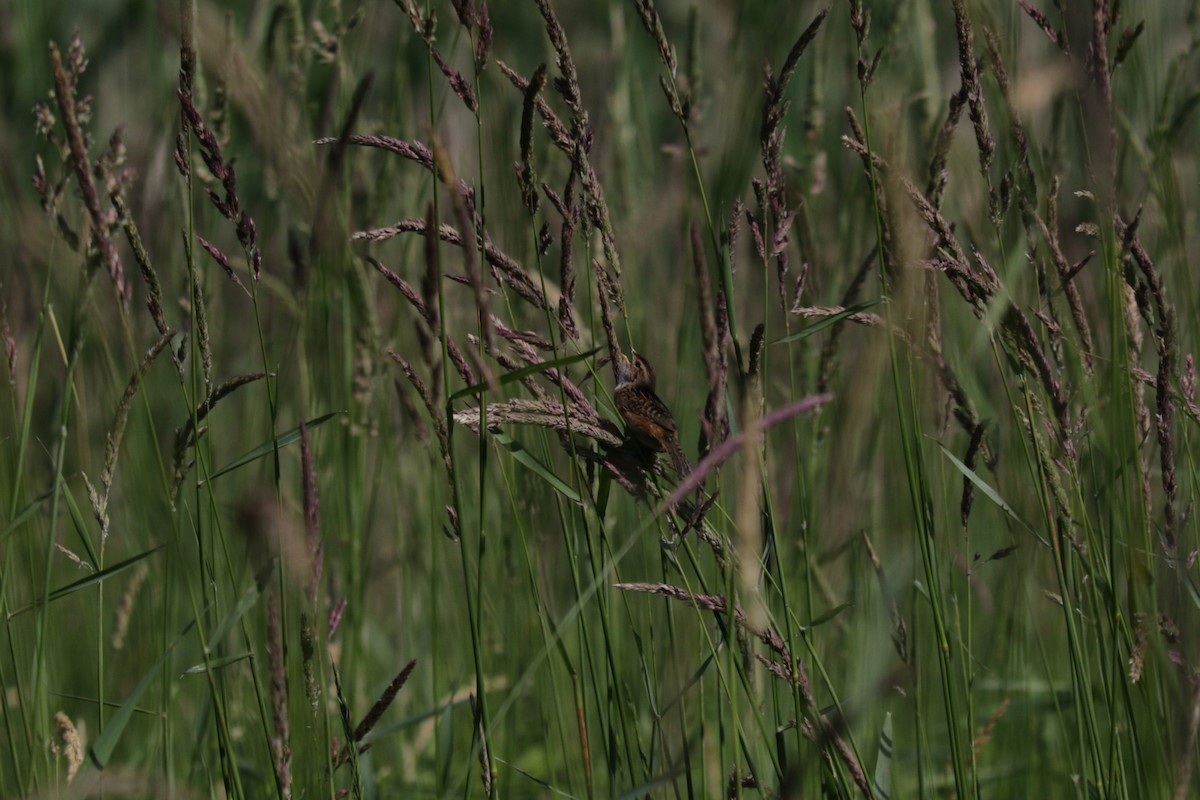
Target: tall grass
314 483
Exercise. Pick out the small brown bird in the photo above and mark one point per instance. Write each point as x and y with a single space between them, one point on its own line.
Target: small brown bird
644 412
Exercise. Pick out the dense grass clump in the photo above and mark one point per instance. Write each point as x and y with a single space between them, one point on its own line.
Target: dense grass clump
332 441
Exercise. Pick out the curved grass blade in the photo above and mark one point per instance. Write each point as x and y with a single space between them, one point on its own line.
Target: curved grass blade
90 580
649 788
980 484
283 440
826 322
829 615
25 513
91 700
532 369
102 749
246 602
544 784
22 516
991 493
523 456
215 664
883 765
80 525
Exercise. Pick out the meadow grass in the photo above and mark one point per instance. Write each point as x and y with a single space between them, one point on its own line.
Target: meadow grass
313 484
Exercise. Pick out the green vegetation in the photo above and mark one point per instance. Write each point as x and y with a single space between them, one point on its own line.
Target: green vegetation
299 499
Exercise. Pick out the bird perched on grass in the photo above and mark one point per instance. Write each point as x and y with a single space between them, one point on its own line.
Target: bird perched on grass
644 412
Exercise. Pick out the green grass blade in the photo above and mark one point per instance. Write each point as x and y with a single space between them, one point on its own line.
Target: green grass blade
829 615
981 484
883 765
25 513
826 322
528 460
266 448
216 663
80 525
517 375
649 788
102 749
90 580
246 602
986 488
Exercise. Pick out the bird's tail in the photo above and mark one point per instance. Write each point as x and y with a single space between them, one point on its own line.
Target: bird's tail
682 467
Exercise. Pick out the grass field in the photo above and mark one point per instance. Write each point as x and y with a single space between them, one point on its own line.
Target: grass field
299 499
